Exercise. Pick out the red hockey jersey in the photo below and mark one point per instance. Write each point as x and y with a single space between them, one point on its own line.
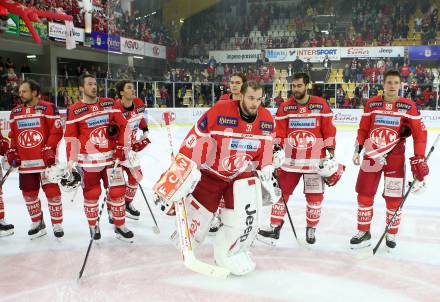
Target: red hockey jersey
223 144
33 128
135 117
86 134
305 131
381 123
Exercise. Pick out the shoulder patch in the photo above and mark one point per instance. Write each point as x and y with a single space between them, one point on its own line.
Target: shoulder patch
403 105
17 109
266 126
375 104
203 124
107 103
227 121
315 106
290 108
80 110
40 108
140 109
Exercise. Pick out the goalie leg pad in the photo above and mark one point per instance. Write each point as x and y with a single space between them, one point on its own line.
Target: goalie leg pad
199 220
240 226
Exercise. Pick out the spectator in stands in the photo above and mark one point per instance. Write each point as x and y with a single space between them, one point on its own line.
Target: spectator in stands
164 96
278 100
340 96
298 65
326 63
346 73
404 72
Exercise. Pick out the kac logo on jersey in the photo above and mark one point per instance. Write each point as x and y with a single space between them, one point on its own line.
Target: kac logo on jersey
236 162
302 123
97 121
244 145
28 123
99 136
301 139
30 138
384 120
381 137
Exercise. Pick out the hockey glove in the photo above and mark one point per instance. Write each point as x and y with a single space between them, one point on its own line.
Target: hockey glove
48 155
331 171
419 167
142 143
279 156
13 158
4 146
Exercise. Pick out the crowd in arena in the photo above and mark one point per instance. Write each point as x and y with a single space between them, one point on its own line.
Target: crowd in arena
109 17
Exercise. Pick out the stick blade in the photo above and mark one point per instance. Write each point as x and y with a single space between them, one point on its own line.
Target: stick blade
205 269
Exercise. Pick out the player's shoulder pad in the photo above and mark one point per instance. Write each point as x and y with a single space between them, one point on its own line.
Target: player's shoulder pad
317 103
76 109
404 104
107 102
17 109
374 102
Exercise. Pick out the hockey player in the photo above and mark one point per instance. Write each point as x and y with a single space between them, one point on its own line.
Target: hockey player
95 136
35 133
306 132
385 123
235 83
6 229
224 145
133 110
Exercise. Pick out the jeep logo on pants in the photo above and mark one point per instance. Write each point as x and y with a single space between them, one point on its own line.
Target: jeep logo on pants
249 222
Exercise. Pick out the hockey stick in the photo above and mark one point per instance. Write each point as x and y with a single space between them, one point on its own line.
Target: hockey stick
6 176
189 259
388 227
97 222
287 210
156 227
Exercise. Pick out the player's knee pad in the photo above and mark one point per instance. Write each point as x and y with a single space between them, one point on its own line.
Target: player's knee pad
92 193
393 187
313 184
240 225
315 198
51 190
30 195
365 200
116 192
392 203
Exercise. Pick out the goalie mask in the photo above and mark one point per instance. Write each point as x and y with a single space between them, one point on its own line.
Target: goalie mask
71 182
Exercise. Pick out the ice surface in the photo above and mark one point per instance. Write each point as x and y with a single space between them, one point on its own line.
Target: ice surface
151 269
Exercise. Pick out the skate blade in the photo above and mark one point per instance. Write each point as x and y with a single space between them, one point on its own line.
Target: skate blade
267 241
131 216
7 233
38 235
360 246
122 238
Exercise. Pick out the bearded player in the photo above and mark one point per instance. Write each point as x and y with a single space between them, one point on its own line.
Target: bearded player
386 122
96 136
35 133
306 132
225 148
